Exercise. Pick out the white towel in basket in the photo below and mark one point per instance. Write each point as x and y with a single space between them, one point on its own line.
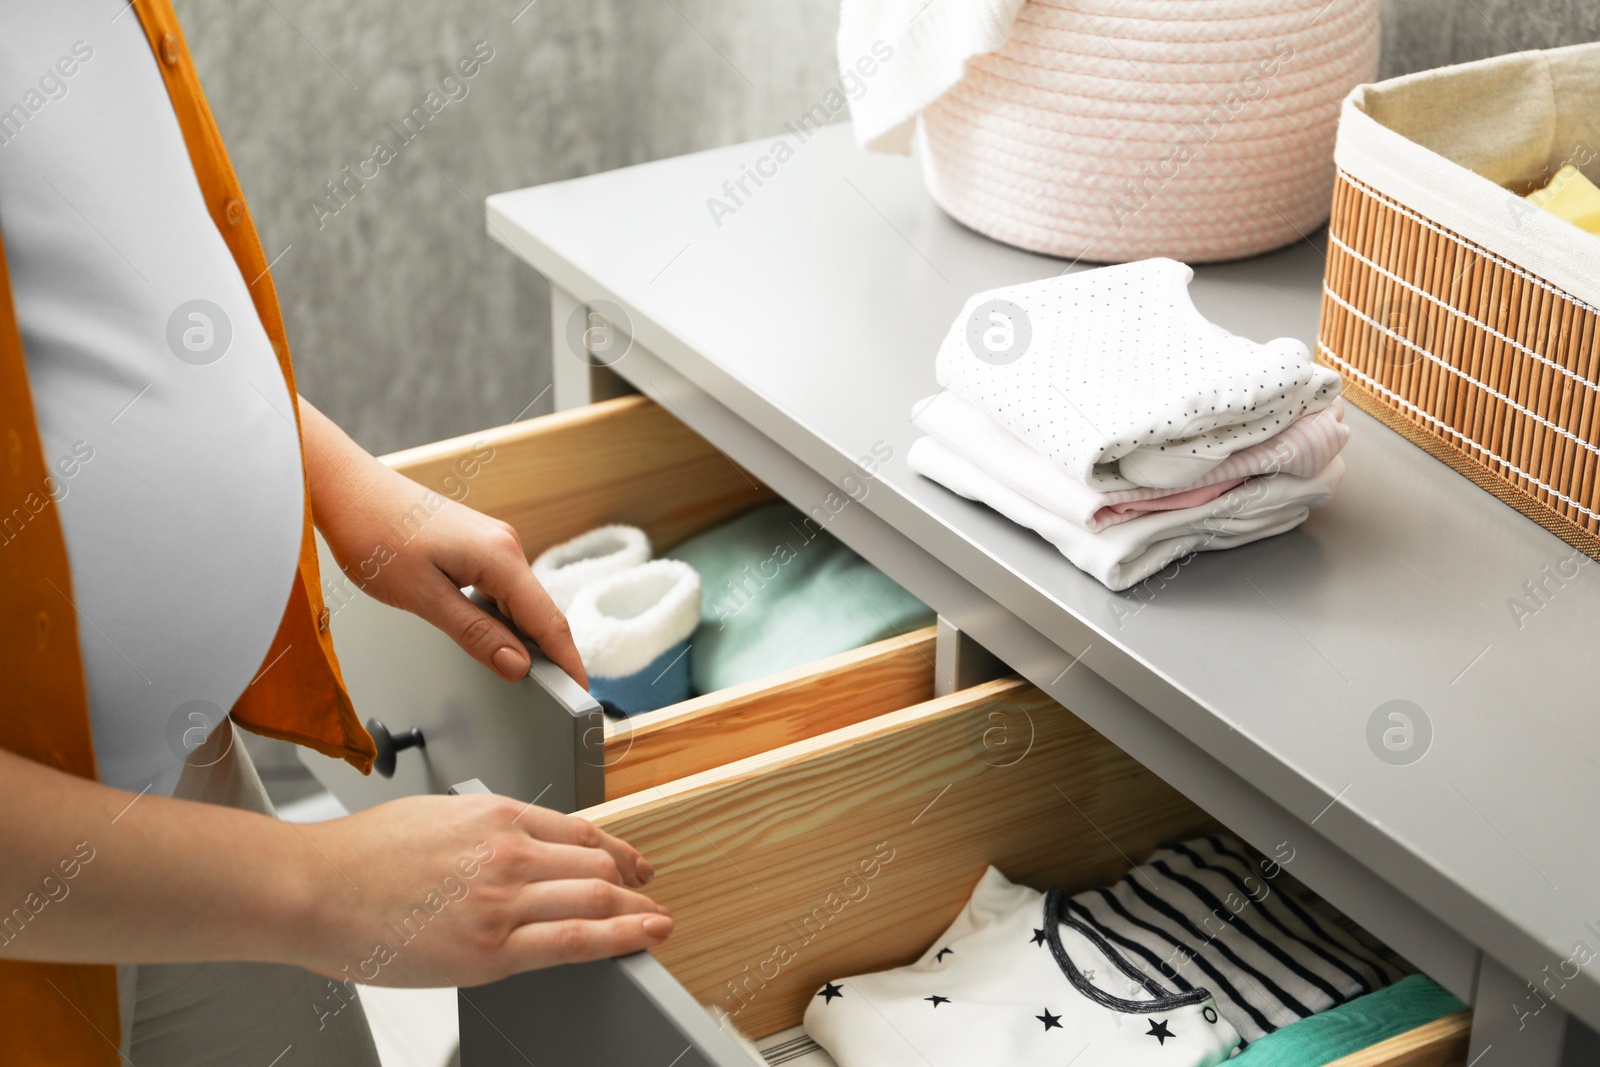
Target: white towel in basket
930 42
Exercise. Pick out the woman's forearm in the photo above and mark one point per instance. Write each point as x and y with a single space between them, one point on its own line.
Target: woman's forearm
427 890
360 506
95 874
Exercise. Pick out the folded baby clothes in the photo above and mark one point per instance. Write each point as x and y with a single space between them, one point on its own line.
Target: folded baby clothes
1115 376
1125 554
1305 448
1200 915
1414 1001
781 591
565 568
1571 196
1016 981
632 630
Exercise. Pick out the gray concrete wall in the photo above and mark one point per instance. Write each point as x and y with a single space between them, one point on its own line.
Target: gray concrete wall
408 323
1418 34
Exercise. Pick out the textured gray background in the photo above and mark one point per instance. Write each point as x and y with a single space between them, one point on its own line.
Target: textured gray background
408 323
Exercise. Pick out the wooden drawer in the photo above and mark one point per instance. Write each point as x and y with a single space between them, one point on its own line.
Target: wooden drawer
752 858
624 460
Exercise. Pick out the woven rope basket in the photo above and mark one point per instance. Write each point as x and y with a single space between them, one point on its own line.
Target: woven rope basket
1112 130
1471 355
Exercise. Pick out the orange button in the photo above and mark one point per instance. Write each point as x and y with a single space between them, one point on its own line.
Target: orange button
233 210
169 49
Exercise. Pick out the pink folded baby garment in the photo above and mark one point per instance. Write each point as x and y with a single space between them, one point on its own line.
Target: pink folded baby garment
1302 449
1125 554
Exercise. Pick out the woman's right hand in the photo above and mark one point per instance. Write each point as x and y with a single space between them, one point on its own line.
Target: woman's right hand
462 890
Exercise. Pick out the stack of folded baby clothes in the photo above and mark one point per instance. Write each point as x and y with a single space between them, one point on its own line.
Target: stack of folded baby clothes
1101 410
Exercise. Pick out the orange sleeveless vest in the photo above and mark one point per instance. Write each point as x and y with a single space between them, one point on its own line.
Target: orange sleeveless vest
67 1013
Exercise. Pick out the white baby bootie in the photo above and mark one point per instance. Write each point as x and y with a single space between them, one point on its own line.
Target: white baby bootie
603 551
632 630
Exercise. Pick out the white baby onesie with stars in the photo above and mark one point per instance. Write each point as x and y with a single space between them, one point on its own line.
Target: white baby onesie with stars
1114 375
1016 982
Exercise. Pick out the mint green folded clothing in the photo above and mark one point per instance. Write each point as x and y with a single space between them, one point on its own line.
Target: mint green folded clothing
778 590
1351 1026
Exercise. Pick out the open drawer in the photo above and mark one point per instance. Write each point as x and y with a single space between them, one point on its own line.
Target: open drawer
765 864
624 460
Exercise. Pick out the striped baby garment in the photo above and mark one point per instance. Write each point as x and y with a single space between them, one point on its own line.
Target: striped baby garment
1203 915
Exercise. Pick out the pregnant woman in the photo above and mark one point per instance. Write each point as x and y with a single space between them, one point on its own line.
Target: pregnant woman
159 482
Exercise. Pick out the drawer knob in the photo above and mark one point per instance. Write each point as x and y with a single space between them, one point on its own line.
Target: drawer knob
390 745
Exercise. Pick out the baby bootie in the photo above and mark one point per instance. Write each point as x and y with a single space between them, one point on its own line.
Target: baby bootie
632 630
603 551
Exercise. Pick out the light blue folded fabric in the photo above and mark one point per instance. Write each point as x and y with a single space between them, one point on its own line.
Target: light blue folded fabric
1352 1026
778 591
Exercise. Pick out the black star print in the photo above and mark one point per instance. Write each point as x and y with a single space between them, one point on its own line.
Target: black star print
937 1000
1159 1031
830 991
1038 937
939 956
1049 1020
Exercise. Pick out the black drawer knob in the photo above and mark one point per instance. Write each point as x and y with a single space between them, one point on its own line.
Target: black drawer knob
390 745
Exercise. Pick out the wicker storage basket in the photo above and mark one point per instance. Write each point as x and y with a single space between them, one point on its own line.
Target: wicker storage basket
1457 313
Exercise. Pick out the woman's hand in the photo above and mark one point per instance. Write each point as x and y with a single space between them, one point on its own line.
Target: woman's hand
427 890
416 550
467 890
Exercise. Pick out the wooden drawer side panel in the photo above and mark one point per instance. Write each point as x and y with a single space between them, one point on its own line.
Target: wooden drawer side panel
745 720
626 460
851 851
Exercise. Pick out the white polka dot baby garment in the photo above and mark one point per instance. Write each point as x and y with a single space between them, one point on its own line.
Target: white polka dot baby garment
1114 375
1016 982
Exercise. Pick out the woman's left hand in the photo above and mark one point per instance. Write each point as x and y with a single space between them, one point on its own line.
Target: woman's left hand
415 549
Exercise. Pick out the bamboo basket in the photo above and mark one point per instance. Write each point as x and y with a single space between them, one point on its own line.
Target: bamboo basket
1455 315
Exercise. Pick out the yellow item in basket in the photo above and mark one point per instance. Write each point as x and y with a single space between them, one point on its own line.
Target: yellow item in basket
1571 196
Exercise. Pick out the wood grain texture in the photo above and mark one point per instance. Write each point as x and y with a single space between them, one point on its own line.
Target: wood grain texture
851 851
743 720
624 460
1441 1043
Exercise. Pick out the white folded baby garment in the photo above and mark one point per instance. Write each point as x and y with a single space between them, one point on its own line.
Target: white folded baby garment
565 568
1305 448
1121 556
1114 375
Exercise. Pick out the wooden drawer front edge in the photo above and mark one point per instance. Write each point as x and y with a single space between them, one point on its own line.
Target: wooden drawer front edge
744 720
849 852
625 460
1441 1043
